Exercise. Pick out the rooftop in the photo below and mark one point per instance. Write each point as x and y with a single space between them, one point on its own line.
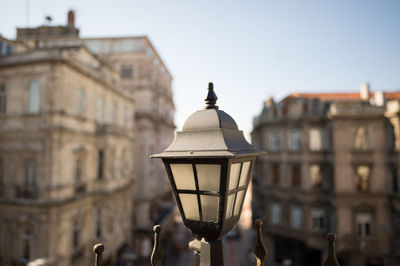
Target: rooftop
341 95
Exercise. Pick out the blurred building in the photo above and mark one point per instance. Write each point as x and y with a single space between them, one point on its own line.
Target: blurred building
332 166
78 119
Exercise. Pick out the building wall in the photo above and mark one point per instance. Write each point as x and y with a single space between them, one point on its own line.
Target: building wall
151 84
57 137
340 154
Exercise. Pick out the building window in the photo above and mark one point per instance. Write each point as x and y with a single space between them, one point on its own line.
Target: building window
30 172
315 139
362 177
318 219
296 176
9 49
100 165
3 99
315 107
275 174
126 72
110 222
363 222
360 138
127 118
78 171
276 213
316 175
80 103
1 172
27 244
34 97
100 110
394 179
296 218
75 236
112 163
295 140
111 113
97 219
397 226
275 141
125 163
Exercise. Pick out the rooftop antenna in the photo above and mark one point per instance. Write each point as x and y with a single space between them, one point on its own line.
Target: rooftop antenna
48 20
27 13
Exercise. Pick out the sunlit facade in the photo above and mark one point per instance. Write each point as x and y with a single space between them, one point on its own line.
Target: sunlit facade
332 166
79 118
66 176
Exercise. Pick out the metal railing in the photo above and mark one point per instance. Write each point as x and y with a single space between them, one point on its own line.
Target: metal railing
260 249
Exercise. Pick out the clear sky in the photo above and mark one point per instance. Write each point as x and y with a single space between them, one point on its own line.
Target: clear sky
249 49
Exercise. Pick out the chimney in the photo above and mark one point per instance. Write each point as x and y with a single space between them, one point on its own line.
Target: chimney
364 91
71 19
379 98
269 102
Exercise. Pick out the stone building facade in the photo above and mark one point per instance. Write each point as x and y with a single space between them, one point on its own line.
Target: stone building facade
65 157
144 73
331 166
78 119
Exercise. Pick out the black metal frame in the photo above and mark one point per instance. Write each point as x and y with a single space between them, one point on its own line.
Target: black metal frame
210 230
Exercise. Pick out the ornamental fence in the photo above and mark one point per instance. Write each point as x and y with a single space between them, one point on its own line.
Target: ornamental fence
260 250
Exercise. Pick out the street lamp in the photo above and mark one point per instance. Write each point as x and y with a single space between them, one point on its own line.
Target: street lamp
209 165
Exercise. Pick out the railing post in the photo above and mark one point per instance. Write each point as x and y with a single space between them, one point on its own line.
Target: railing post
98 249
331 259
260 250
195 245
157 253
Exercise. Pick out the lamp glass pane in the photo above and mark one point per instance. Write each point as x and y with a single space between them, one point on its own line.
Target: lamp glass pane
183 176
239 202
229 206
244 174
210 207
190 206
208 176
234 176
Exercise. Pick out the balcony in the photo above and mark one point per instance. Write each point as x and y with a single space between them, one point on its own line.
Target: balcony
26 192
80 188
107 129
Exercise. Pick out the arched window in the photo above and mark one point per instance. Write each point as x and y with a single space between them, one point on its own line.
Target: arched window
34 97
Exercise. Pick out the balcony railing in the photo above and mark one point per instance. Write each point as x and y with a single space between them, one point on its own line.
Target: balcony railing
80 188
26 192
260 250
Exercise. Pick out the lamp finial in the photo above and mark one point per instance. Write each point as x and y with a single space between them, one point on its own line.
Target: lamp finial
211 97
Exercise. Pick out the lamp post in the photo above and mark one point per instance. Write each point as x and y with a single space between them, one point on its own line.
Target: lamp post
209 165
